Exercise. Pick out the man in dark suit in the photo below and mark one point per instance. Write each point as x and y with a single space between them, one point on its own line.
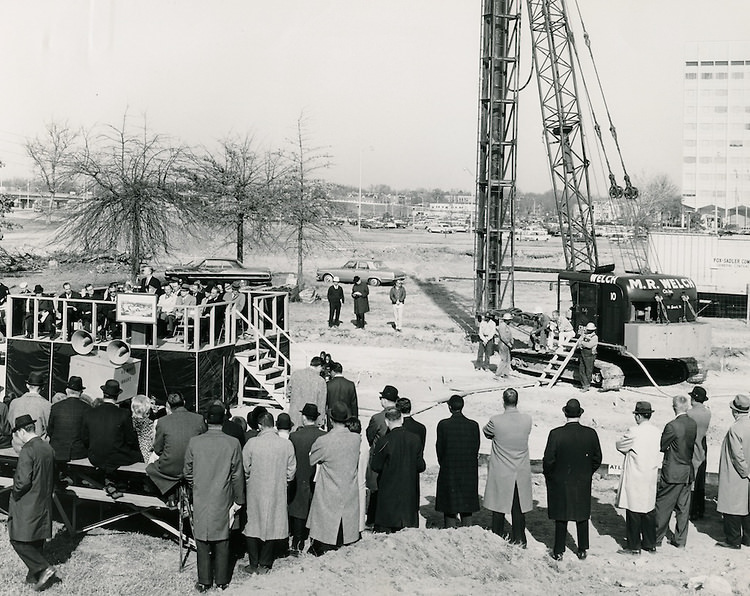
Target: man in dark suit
673 492
335 300
301 487
340 390
65 428
30 508
73 312
376 429
108 432
458 455
702 416
403 405
173 433
397 458
149 283
571 457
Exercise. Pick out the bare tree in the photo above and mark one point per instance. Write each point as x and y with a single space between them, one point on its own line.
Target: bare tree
659 201
304 200
52 155
237 181
138 194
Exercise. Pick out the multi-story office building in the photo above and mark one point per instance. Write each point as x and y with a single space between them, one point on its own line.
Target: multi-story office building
716 140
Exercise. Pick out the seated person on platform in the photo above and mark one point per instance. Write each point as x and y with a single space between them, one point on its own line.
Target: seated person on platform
108 432
140 410
85 308
45 315
173 432
106 314
184 298
65 426
33 404
238 300
165 309
6 430
217 312
73 308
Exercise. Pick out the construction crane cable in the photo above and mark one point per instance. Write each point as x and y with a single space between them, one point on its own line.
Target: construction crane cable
630 192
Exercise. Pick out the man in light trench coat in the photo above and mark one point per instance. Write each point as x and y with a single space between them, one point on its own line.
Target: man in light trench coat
269 464
508 487
734 469
213 468
334 512
637 492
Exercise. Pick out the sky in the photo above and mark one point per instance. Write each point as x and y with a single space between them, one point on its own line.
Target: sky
387 87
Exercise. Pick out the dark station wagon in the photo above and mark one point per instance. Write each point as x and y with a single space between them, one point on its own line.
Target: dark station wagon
220 270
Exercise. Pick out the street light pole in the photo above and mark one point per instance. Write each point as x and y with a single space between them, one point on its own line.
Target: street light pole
359 204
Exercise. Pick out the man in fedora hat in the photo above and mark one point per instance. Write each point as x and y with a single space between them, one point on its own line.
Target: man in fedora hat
301 494
306 386
702 416
30 507
74 388
376 429
45 321
734 470
673 492
334 512
637 491
335 298
339 389
33 404
108 432
213 469
571 457
587 355
65 427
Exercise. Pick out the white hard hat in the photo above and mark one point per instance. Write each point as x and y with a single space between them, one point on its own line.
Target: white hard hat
336 279
590 327
507 317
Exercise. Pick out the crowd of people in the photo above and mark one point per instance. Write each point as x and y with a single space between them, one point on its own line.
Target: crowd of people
313 479
361 302
72 308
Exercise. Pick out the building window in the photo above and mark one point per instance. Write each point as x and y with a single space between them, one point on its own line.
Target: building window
707 75
694 63
738 75
691 75
721 75
707 62
689 159
720 109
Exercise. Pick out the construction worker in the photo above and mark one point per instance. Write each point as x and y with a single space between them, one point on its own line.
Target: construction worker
587 355
561 328
503 344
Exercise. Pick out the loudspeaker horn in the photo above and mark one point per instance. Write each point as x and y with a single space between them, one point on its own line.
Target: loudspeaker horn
82 342
118 351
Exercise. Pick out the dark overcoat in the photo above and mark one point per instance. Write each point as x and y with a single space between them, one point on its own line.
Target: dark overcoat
419 429
677 445
361 302
301 487
342 390
397 458
571 457
65 428
30 508
213 468
109 435
173 433
458 455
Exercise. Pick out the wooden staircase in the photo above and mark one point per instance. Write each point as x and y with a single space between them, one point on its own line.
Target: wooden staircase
558 362
263 380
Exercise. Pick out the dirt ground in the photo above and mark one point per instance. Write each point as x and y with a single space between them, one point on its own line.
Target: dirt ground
433 359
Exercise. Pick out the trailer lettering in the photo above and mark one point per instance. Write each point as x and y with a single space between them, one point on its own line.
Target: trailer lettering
602 279
669 283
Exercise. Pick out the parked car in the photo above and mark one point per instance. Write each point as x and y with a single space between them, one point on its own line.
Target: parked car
440 228
220 270
459 227
375 273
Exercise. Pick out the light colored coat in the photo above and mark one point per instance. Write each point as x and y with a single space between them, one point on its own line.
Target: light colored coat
269 464
35 406
637 491
509 463
336 498
305 386
734 467
213 468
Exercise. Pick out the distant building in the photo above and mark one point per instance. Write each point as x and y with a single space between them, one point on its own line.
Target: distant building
716 132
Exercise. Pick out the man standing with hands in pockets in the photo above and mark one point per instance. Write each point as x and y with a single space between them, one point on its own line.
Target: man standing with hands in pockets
398 297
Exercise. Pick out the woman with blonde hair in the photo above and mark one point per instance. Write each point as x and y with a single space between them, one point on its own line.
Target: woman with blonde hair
145 428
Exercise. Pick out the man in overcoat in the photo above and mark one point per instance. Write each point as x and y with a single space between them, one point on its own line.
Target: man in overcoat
306 386
30 507
334 513
673 491
571 457
403 405
397 458
299 506
376 429
335 298
702 416
269 466
734 469
173 433
637 492
213 469
508 489
65 428
339 389
458 455
503 344
360 293
33 404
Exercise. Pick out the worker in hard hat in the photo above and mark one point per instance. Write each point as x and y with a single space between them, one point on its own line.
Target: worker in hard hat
561 329
587 355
